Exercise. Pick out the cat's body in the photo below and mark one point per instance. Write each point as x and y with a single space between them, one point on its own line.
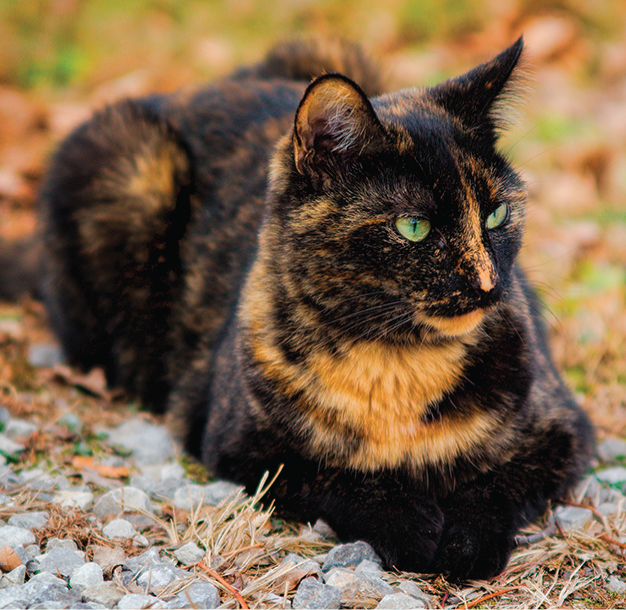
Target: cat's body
361 320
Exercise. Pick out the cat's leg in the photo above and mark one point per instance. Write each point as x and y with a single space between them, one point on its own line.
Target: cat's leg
114 206
482 516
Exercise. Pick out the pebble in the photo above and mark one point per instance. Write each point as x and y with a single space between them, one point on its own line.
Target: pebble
61 560
14 577
106 593
571 517
133 601
612 476
315 595
19 429
202 594
149 443
400 601
31 521
121 528
87 575
124 502
612 449
189 553
69 498
410 588
615 585
45 355
349 555
15 537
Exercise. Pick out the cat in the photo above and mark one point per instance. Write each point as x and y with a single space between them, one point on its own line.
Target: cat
322 275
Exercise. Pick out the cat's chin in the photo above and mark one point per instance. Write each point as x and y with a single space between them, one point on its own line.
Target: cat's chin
456 326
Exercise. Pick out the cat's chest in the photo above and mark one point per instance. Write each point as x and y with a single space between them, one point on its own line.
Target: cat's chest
380 396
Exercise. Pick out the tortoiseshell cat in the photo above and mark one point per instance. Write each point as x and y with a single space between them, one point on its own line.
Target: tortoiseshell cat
304 276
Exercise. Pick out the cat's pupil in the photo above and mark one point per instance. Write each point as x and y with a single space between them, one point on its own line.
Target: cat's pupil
413 228
498 217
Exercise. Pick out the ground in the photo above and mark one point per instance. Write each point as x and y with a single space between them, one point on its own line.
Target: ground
569 142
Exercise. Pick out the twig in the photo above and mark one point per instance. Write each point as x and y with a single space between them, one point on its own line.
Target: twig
223 582
612 541
484 598
528 540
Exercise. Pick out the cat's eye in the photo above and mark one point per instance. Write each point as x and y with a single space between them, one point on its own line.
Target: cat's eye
498 217
413 228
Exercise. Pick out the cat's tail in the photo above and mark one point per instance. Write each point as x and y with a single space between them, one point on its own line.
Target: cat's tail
304 59
20 262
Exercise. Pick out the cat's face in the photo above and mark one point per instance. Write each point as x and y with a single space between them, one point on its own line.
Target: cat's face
398 215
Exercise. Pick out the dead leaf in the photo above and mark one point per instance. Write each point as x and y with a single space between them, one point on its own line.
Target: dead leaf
9 559
81 462
93 383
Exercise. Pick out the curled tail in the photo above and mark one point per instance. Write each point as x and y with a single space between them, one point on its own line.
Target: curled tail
307 58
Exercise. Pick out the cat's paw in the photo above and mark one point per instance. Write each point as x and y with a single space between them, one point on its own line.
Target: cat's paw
469 550
405 536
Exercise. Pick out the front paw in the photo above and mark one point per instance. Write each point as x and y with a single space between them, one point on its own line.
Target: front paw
405 537
473 551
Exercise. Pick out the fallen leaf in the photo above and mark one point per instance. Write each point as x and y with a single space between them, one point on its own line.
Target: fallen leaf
93 383
9 559
81 462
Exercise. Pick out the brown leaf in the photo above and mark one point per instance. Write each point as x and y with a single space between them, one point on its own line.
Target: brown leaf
112 472
108 559
93 383
9 559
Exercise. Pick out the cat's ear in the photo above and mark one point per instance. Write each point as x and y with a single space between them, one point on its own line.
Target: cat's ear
479 97
334 124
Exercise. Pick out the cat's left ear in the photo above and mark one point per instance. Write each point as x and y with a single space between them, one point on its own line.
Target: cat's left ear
477 97
334 124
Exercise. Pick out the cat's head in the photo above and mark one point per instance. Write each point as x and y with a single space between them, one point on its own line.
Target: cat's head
396 215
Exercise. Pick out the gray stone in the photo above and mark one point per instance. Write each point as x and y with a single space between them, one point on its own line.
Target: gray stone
19 429
410 588
68 498
571 517
58 543
149 443
61 561
349 555
15 537
134 601
45 355
608 509
31 521
203 594
219 491
189 496
300 568
124 500
613 476
401 601
50 605
27 553
159 575
346 581
9 447
370 572
38 480
86 576
189 553
172 471
313 594
15 576
47 587
148 558
589 487
612 449
615 585
119 528
106 593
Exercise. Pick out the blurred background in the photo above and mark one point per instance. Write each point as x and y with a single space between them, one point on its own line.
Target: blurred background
60 59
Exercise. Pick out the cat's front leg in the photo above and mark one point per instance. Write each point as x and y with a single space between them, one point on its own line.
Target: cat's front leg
402 524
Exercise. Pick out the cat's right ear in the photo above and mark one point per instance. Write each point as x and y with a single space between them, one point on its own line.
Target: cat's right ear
335 123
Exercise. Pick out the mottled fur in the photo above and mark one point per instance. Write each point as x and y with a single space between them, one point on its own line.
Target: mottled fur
232 257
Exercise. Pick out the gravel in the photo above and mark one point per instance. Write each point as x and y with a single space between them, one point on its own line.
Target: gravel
60 575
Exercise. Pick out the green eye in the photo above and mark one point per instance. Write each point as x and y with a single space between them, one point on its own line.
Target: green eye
414 229
498 217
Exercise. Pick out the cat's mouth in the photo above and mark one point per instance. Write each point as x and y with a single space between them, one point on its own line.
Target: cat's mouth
455 326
